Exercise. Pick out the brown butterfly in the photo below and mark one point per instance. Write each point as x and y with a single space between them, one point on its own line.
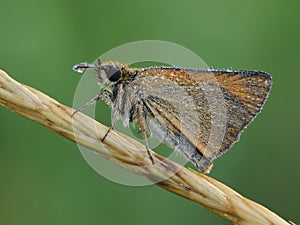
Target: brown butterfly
198 113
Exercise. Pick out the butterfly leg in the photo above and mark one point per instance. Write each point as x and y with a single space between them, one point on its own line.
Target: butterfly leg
141 117
115 119
116 110
89 103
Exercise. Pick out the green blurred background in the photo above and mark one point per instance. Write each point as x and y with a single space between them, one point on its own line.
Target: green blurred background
45 180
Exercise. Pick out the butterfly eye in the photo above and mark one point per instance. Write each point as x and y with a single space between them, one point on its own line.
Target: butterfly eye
113 74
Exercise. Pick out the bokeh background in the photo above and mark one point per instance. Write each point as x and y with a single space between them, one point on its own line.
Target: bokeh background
45 180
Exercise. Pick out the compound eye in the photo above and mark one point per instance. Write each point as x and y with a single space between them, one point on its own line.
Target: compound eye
113 74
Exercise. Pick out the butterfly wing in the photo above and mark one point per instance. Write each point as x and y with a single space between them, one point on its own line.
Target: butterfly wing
245 93
201 113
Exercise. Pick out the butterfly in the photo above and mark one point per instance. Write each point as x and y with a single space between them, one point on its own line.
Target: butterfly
199 113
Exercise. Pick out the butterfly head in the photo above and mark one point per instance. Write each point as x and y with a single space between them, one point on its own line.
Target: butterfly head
107 74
